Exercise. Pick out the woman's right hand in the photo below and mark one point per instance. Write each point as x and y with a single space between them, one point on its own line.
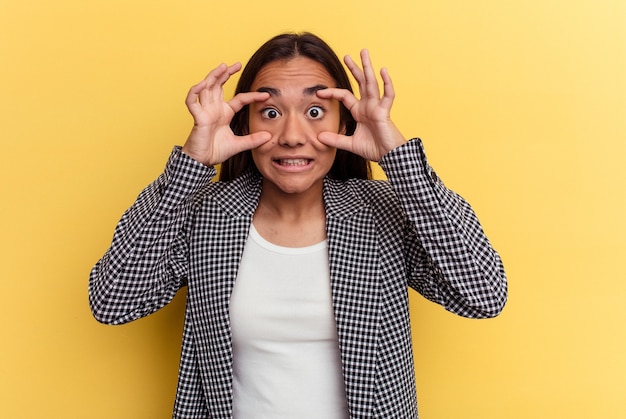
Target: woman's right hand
211 140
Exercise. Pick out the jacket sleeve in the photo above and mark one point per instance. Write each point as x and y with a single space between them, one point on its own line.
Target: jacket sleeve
146 263
462 272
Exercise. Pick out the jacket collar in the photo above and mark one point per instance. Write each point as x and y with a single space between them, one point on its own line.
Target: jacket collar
240 197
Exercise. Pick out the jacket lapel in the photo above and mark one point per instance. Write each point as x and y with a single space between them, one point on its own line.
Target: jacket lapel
353 256
220 236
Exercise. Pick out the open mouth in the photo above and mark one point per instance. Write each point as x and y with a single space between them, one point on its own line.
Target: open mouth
293 162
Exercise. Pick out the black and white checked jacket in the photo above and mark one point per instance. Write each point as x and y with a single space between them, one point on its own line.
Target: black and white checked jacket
382 237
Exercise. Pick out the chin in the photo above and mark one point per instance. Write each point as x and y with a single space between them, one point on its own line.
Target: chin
293 188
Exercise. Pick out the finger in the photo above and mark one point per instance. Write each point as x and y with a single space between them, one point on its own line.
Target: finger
215 81
342 95
371 83
192 96
250 141
204 91
224 77
234 68
335 140
195 90
215 74
226 72
389 93
242 99
356 71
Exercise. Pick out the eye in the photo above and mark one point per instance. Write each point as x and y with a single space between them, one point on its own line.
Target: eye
315 112
270 113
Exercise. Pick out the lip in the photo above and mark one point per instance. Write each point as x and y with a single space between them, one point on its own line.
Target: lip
293 164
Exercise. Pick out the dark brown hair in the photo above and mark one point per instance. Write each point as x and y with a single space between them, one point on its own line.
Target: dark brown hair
288 46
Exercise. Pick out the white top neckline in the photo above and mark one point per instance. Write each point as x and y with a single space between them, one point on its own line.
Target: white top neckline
285 250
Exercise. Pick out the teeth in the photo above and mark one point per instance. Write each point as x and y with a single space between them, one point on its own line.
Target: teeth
294 162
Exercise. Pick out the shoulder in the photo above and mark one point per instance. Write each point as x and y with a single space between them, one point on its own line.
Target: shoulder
237 197
377 196
371 190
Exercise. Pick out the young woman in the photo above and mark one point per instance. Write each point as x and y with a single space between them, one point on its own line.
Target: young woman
297 264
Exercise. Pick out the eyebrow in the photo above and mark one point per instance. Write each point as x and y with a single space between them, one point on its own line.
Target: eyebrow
307 91
310 91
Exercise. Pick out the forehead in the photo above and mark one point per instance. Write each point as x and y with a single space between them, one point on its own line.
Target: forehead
299 72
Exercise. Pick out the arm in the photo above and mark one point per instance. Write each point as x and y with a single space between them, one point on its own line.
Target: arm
147 261
464 273
461 270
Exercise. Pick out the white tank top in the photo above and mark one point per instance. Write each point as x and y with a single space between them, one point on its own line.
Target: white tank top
286 361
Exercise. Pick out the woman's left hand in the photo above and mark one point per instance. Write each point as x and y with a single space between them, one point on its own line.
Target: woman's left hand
375 133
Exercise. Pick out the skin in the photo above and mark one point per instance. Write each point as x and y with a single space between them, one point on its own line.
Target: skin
294 135
294 161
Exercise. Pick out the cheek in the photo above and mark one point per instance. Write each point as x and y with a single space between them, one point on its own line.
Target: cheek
260 153
334 121
330 156
259 124
253 124
256 158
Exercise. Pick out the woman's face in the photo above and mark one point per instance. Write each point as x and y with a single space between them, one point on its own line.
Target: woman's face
294 161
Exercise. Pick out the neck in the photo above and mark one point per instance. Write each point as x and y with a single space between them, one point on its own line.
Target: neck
291 206
292 220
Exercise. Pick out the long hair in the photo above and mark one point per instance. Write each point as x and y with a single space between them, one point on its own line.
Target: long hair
285 47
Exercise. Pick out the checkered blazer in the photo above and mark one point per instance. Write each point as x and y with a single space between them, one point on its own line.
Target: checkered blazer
383 236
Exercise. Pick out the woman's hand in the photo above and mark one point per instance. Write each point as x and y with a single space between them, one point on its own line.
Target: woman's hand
375 133
211 140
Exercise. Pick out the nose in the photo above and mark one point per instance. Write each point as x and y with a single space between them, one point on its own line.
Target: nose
293 133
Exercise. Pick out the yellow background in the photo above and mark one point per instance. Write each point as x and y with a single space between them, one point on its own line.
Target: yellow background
522 108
